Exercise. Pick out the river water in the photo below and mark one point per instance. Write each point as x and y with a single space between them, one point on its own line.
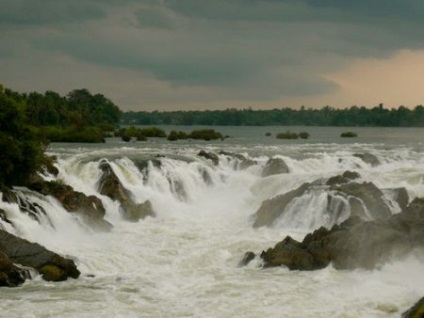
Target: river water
184 262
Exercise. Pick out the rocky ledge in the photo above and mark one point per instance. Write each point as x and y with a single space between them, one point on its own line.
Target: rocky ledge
354 243
18 257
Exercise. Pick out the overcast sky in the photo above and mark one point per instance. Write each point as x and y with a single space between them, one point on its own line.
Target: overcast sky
215 54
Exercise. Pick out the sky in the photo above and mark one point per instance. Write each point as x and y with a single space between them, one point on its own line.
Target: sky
215 54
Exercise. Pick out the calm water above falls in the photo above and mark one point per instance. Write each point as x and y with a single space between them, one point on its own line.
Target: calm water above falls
184 262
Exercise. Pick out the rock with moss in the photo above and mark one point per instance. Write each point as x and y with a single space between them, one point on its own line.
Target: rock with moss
50 265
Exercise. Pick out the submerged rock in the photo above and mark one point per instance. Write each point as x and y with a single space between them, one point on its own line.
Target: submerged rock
89 208
51 266
111 186
416 311
244 162
354 243
274 166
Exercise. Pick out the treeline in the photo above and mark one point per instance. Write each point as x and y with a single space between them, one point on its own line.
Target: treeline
326 116
28 122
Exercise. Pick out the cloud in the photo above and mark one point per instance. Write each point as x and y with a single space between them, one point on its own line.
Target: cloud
207 51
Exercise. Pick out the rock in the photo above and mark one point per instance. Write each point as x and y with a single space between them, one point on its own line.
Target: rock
247 258
368 158
139 211
416 311
354 243
210 156
10 274
365 200
346 177
272 209
89 208
3 217
244 162
50 265
111 186
274 166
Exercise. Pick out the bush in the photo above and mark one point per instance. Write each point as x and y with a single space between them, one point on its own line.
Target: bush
153 132
268 134
348 134
206 134
287 135
304 135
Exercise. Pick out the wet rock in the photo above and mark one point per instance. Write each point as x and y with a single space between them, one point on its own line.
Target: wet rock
111 186
416 311
368 158
274 166
354 243
50 265
346 177
365 200
3 217
244 162
247 258
89 208
272 209
10 274
210 156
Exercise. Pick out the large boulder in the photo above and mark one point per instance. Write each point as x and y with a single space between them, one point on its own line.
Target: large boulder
89 208
354 243
50 265
364 200
111 186
210 156
274 166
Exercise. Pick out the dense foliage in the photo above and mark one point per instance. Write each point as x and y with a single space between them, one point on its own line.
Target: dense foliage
327 116
28 122
21 152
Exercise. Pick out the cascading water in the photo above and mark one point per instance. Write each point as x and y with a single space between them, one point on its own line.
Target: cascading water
184 261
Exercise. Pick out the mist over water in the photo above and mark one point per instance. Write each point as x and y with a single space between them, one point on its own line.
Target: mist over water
184 262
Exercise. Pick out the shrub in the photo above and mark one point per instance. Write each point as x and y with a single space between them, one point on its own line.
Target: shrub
304 135
348 134
206 134
287 135
268 134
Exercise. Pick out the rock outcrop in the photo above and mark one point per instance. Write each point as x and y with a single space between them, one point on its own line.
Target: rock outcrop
368 158
244 162
111 186
364 200
274 166
15 250
89 208
354 243
210 156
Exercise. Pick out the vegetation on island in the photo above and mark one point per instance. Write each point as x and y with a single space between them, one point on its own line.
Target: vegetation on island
29 122
292 135
201 134
348 134
378 116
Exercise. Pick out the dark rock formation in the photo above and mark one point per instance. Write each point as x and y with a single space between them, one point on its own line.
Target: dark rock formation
247 258
244 162
10 274
272 209
368 158
364 200
354 243
210 156
14 250
274 166
89 208
416 311
111 186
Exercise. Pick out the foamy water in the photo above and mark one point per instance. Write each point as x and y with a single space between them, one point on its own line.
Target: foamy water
184 262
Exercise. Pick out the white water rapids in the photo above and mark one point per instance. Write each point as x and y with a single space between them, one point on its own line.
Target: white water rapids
184 261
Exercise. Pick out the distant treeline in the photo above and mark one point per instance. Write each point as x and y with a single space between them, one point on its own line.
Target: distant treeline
326 116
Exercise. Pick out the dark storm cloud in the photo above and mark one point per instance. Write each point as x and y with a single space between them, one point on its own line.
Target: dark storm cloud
240 49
